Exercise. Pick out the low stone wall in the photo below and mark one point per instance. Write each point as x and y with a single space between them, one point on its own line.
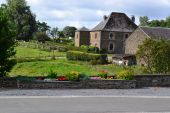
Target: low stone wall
90 84
152 80
8 83
138 82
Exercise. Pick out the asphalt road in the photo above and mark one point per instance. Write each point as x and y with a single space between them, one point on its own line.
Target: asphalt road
83 104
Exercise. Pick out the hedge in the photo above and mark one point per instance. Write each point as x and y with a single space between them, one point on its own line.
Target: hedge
83 56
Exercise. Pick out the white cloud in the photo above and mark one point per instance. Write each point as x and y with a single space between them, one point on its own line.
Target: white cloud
88 13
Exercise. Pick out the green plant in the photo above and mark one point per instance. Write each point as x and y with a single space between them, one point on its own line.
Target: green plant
126 74
52 74
73 76
83 56
84 77
103 74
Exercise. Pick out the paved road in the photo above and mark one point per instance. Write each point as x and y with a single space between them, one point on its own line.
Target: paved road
83 104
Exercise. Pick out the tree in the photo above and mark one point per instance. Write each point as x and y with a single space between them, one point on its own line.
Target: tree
168 22
156 55
144 21
24 19
7 42
155 23
69 31
41 37
42 27
54 32
144 54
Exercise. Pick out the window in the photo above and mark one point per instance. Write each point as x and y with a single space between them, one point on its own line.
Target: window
112 36
95 35
126 36
111 47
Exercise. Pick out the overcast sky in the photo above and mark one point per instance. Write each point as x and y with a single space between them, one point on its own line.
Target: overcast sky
88 13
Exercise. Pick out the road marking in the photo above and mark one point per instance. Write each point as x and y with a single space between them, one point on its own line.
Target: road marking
41 97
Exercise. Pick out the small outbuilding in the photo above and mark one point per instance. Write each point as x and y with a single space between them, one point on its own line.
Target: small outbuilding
82 37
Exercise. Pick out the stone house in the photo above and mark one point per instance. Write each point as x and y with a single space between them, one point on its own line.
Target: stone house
110 34
141 33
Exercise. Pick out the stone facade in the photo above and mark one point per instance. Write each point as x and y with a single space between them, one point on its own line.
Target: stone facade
134 40
82 38
110 34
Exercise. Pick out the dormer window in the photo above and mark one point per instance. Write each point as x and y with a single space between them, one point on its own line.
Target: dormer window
111 36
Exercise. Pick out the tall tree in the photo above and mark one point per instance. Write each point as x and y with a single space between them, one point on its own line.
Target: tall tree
7 42
69 31
53 32
156 55
144 21
20 12
42 26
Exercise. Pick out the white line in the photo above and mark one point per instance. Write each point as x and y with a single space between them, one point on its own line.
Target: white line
41 97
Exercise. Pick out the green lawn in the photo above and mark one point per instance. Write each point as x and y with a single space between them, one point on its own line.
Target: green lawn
23 52
61 66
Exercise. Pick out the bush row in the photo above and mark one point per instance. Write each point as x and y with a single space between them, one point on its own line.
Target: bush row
83 56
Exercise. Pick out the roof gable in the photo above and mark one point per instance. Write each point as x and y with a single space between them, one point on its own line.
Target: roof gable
116 22
83 29
157 32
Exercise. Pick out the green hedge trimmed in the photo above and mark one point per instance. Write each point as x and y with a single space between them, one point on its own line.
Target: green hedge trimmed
83 56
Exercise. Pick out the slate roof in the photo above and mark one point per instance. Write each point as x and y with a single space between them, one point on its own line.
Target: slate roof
109 23
157 32
83 29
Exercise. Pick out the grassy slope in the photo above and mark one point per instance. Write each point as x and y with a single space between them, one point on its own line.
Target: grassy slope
23 52
61 66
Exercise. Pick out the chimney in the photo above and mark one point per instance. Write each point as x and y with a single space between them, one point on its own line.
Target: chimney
105 17
133 18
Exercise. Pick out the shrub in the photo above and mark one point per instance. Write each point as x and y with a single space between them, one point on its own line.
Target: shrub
73 76
103 74
126 74
92 49
84 77
82 56
52 75
62 49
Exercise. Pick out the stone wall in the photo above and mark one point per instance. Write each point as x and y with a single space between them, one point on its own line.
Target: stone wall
90 84
138 82
82 38
152 80
8 83
134 40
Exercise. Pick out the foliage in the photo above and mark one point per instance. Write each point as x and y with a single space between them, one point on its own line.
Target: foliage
82 56
84 77
103 74
41 37
54 32
7 42
25 78
144 21
20 13
52 74
42 27
62 49
144 54
73 76
156 55
69 31
126 74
